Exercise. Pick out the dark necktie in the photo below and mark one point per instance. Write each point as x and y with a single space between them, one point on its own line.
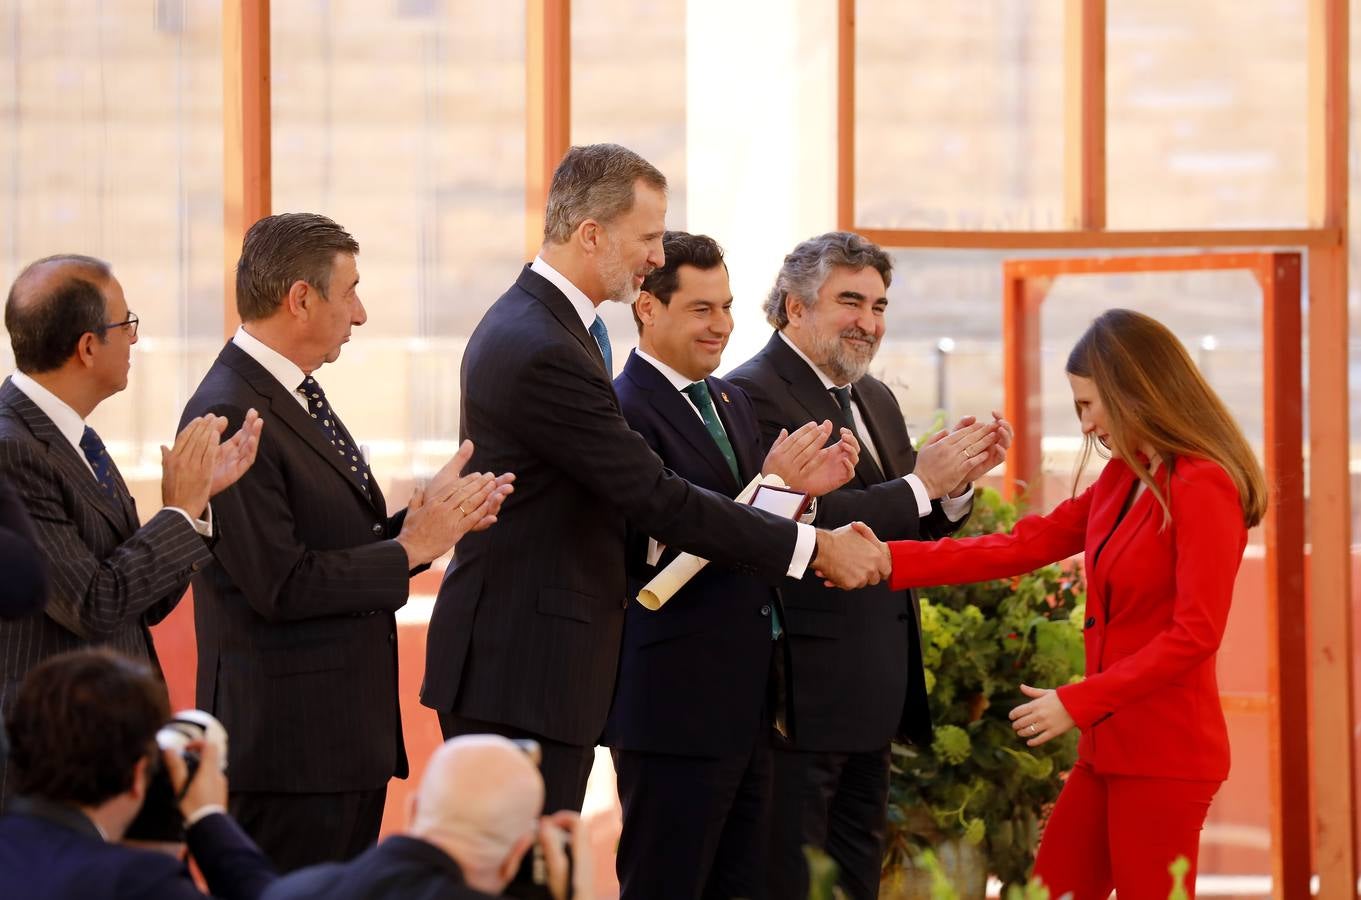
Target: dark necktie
704 402
98 457
843 399
326 419
602 340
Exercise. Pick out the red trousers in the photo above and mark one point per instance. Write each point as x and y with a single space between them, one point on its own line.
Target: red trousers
1121 833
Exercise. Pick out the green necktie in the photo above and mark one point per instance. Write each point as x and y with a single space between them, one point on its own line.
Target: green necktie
699 393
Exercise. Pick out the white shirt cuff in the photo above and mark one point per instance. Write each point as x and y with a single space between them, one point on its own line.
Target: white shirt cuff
956 508
803 550
919 491
203 812
203 526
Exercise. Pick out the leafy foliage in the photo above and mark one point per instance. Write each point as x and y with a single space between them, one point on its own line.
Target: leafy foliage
978 781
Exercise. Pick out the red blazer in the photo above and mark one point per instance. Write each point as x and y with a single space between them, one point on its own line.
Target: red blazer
1157 602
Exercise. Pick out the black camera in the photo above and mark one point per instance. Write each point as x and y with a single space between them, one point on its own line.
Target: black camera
159 820
531 881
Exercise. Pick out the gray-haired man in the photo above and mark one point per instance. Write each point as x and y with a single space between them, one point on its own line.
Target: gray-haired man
831 787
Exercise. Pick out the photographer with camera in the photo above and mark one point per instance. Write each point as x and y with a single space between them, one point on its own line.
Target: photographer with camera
83 732
472 821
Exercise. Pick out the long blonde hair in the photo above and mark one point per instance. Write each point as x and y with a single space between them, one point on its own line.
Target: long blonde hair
1155 396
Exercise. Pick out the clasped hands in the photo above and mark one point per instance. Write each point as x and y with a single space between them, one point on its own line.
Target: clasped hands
951 460
449 506
201 465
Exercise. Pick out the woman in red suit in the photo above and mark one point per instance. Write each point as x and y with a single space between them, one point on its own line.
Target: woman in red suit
1162 532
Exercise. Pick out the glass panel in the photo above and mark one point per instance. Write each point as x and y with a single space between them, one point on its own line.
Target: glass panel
1206 113
112 147
616 99
959 114
405 123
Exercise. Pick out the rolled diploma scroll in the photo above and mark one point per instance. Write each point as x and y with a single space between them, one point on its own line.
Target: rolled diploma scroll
680 570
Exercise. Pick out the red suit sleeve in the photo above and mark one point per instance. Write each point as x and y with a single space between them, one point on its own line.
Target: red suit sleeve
1035 541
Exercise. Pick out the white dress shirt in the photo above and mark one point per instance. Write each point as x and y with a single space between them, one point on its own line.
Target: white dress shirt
72 427
284 370
955 508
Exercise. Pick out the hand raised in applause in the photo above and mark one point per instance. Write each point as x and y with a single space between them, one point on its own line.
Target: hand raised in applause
236 454
851 557
949 457
806 465
451 506
188 467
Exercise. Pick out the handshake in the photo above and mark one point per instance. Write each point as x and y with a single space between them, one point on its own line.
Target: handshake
851 557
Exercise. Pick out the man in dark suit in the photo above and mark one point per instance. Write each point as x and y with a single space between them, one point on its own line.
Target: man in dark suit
859 662
524 638
472 821
84 728
700 679
297 642
110 578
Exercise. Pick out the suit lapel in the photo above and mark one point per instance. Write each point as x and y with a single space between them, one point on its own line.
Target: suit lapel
804 385
66 459
875 426
739 435
1106 528
562 309
283 407
677 412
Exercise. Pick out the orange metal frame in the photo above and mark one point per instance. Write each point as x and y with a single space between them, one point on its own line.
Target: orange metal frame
1025 285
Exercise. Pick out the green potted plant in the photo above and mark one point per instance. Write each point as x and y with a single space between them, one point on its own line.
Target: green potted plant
978 795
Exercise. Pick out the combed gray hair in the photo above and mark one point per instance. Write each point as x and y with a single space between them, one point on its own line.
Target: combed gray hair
594 181
807 266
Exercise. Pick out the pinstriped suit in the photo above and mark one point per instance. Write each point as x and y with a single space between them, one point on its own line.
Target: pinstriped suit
108 579
296 634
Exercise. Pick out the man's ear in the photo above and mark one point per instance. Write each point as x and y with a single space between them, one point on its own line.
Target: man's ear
140 777
299 300
85 348
591 235
794 308
511 864
646 307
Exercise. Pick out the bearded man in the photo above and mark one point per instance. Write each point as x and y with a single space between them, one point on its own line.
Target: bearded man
859 682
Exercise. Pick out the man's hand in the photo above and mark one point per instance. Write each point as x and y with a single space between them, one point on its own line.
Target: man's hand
237 454
187 468
806 465
996 454
851 557
209 784
948 457
554 832
450 507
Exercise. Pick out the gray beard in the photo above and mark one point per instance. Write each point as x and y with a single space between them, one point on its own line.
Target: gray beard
844 365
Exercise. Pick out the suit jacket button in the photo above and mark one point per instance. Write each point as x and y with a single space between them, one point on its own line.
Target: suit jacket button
378 528
392 637
1091 622
765 610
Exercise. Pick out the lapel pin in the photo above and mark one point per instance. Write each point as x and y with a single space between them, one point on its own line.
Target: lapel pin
724 395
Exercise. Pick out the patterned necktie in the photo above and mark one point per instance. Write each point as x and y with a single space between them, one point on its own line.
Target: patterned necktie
98 457
602 340
704 402
325 417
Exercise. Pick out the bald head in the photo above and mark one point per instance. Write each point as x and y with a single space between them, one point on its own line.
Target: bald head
52 303
479 797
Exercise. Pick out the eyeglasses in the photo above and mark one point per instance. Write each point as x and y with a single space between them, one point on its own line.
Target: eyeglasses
130 323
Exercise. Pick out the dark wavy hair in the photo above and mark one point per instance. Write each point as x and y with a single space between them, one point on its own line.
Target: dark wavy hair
682 249
81 722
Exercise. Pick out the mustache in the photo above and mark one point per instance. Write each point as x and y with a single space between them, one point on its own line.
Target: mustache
859 334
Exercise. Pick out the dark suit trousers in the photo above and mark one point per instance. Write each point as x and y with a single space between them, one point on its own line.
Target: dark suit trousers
836 801
565 767
694 827
297 830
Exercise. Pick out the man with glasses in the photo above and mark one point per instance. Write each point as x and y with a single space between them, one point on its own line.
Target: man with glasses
110 577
